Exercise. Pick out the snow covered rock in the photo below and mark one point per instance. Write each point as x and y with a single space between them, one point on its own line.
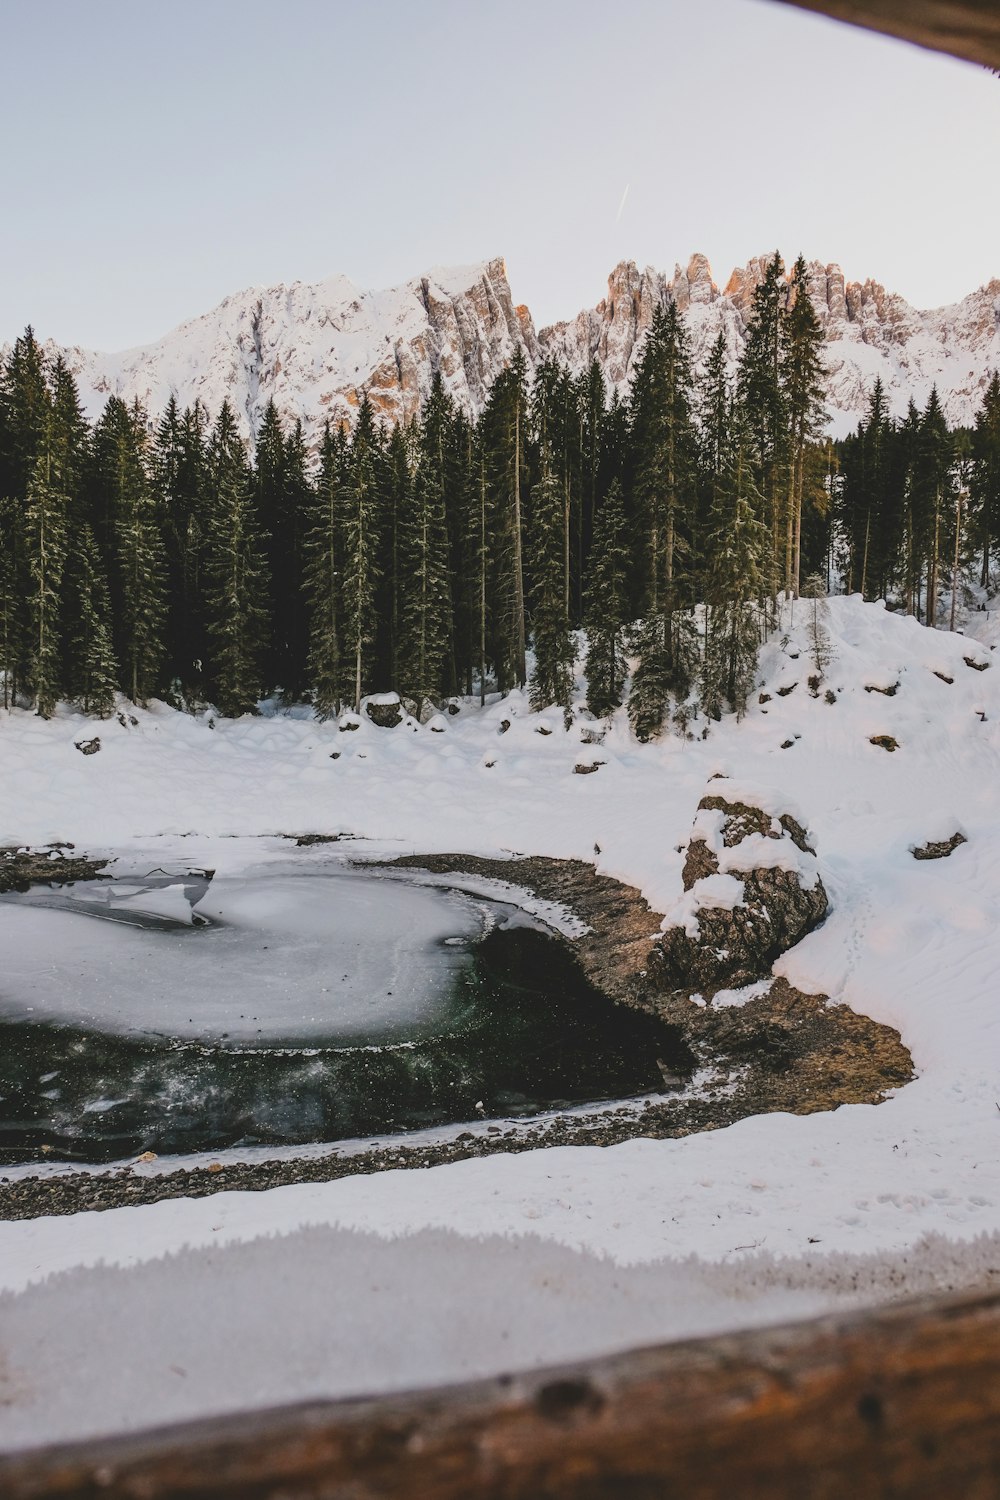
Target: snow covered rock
751 891
384 709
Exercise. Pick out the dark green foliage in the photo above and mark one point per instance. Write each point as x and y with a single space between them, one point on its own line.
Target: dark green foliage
418 558
140 563
360 571
985 474
552 676
739 549
235 574
92 677
46 539
322 580
425 595
607 606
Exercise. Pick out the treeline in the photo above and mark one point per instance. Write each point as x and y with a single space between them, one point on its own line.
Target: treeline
165 560
918 506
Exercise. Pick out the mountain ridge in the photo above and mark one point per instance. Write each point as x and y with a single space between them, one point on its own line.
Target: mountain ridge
316 347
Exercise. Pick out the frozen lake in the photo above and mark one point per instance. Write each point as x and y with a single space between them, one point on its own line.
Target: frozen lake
176 1015
283 957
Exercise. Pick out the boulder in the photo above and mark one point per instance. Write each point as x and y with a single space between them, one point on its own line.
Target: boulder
384 709
751 891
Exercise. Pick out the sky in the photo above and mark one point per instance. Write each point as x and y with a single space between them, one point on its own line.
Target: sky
169 154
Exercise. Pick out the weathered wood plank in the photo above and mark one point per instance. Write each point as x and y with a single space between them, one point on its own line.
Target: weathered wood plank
904 1402
969 29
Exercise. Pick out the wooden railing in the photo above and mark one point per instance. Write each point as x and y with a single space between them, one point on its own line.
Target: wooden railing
969 29
901 1402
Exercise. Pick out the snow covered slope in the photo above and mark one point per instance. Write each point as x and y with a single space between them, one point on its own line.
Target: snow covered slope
314 349
775 1216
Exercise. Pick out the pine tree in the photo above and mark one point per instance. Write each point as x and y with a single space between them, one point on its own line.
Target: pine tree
503 432
739 550
360 553
180 470
665 442
322 580
932 483
802 389
47 539
13 622
652 679
552 677
92 678
762 398
425 600
985 479
607 606
235 573
140 564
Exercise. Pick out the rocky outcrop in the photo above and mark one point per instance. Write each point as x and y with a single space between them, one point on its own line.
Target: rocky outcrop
751 891
317 349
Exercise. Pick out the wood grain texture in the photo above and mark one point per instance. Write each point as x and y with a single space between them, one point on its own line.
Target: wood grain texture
902 1402
969 29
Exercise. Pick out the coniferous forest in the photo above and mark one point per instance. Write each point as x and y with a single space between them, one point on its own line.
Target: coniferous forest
153 555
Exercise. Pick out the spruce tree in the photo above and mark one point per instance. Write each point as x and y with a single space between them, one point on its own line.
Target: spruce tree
425 595
322 580
985 478
606 604
46 545
235 572
552 678
762 398
13 620
739 552
92 678
360 554
140 564
180 469
802 389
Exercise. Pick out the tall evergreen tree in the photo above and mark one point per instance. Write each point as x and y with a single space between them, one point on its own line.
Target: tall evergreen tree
740 553
761 395
985 478
425 603
322 580
360 553
92 678
235 572
552 676
47 540
607 606
802 388
140 564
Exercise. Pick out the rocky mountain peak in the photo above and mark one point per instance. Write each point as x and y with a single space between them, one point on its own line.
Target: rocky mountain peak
316 349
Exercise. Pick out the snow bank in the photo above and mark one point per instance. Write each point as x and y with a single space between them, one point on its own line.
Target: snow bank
915 945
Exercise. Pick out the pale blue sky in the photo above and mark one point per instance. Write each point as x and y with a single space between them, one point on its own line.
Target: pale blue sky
158 156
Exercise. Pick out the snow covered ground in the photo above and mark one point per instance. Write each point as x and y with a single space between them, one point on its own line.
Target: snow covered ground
525 1259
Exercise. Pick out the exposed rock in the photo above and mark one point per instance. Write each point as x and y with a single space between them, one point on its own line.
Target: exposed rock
318 349
587 768
939 849
977 666
884 742
88 747
887 692
751 891
384 709
22 868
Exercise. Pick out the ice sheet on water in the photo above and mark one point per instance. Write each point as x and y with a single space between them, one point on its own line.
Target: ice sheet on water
296 957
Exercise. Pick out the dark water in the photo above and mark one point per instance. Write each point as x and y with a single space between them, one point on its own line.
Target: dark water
523 1032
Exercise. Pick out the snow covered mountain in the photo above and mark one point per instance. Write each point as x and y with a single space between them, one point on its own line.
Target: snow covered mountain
315 348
